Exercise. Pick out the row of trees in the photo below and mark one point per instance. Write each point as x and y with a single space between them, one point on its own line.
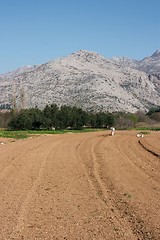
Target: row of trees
59 118
72 117
139 119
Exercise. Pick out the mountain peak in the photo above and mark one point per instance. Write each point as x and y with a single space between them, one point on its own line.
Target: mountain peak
156 54
87 54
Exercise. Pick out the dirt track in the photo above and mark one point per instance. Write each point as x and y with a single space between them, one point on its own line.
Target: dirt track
80 186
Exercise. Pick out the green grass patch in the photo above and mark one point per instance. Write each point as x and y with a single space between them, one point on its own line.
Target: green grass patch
63 131
148 129
27 133
13 134
144 133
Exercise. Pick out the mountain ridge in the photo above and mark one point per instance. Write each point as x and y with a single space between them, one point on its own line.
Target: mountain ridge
88 80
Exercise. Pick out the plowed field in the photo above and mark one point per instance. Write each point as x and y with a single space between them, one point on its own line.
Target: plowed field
81 186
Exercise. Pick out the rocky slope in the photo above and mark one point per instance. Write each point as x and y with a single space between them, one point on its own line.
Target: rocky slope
88 80
151 64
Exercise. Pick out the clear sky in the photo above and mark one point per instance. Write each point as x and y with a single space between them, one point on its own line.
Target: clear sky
37 31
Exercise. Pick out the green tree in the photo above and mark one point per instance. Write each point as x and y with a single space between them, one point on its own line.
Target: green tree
27 119
153 110
50 114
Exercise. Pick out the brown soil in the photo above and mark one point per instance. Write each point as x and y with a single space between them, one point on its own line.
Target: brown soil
80 186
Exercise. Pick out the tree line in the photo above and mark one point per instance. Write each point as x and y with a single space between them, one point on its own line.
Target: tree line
53 117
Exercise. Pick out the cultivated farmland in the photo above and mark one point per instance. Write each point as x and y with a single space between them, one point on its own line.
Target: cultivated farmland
80 186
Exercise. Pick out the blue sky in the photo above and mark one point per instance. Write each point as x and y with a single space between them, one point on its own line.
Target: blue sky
37 31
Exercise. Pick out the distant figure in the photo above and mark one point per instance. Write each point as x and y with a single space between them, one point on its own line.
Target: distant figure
140 135
112 131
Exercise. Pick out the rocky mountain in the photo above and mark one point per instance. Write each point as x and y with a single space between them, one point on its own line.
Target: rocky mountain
87 80
151 64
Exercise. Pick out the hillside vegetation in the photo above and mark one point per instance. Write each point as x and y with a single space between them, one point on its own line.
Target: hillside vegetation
53 117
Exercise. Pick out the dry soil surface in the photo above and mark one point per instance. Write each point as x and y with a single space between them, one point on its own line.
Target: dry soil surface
81 186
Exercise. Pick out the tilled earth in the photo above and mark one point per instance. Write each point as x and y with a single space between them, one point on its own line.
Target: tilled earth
81 186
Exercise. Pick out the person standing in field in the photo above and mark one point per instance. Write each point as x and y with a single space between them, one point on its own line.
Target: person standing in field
112 131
